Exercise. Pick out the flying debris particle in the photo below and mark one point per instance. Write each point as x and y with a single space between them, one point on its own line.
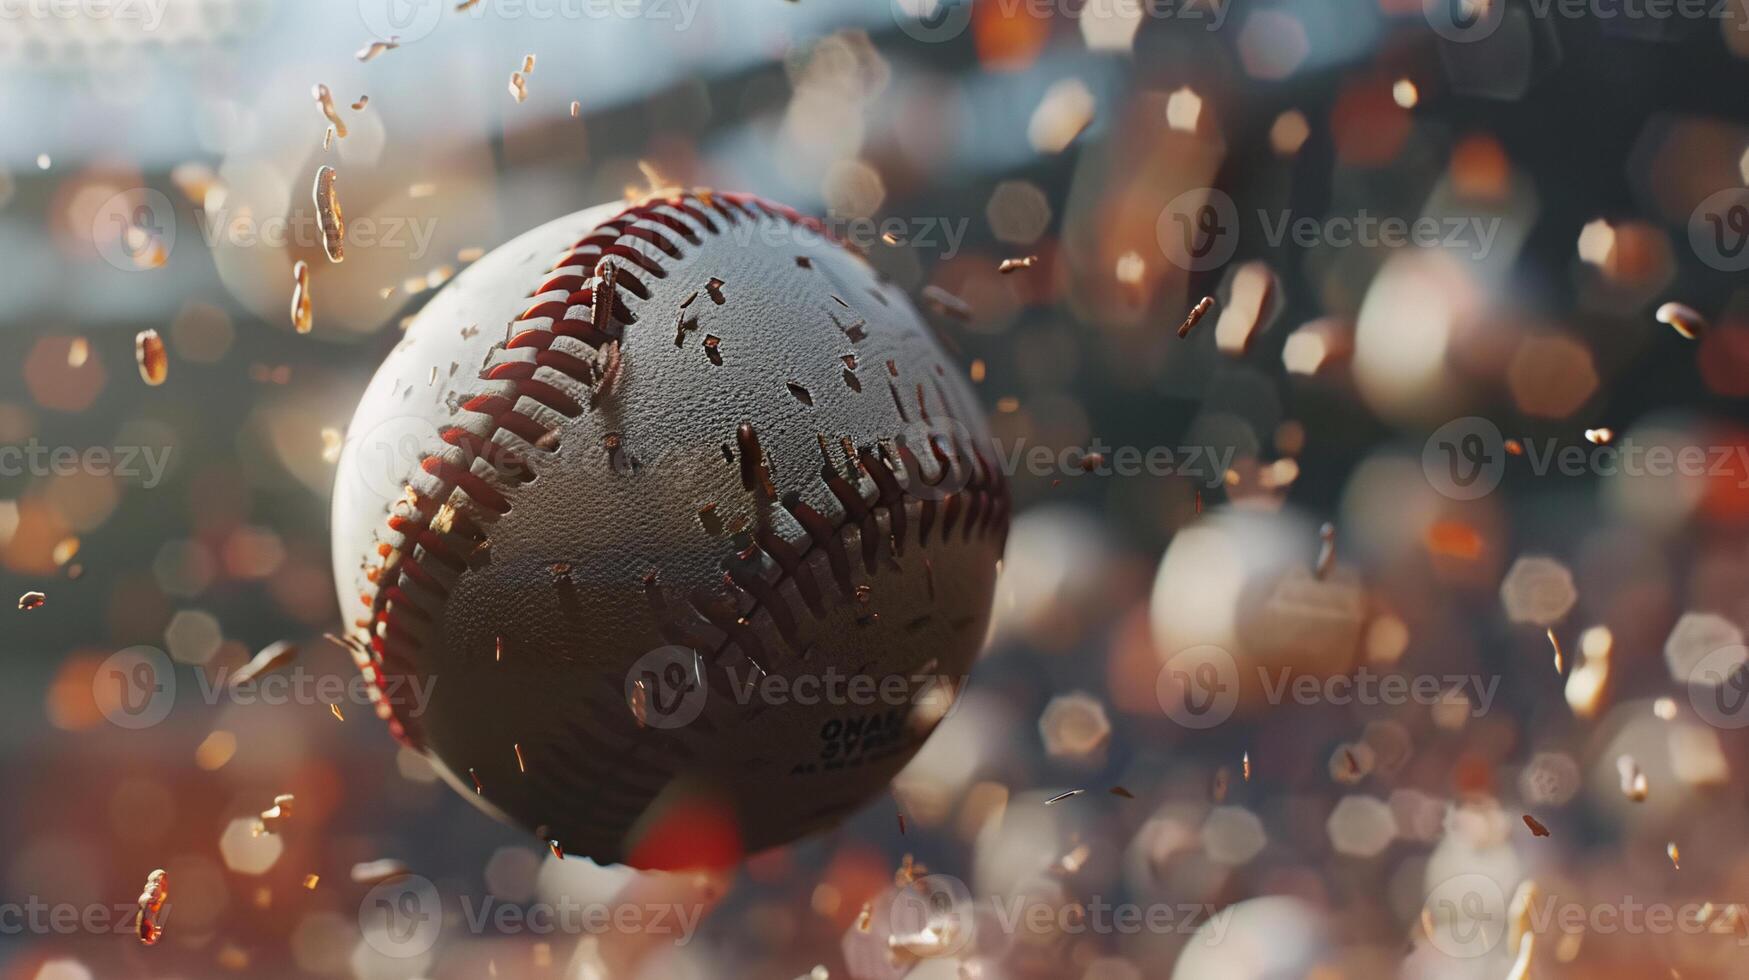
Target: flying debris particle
1682 318
498 650
376 48
1245 764
328 214
1560 657
31 600
946 303
1120 791
334 709
1326 549
43 162
865 918
978 371
558 852
901 824
1599 437
476 778
378 871
332 442
1514 447
521 763
1060 797
528 64
274 817
1633 781
310 881
65 550
270 658
1665 708
1527 946
149 352
1675 854
1197 312
300 302
1015 265
755 471
363 101
325 100
1535 826
78 352
151 907
465 5
655 184
518 87
576 109
328 138
639 702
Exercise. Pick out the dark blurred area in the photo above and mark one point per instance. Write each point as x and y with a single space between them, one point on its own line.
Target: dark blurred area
1575 168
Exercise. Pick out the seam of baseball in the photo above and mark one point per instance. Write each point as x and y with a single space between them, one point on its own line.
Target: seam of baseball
433 530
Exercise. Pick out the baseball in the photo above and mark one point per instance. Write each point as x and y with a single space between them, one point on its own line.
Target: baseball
668 531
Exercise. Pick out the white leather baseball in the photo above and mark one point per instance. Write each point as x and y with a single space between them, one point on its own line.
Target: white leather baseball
639 495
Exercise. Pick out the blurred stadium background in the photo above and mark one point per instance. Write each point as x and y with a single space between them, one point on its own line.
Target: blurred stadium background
154 152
